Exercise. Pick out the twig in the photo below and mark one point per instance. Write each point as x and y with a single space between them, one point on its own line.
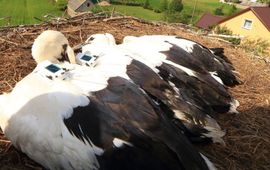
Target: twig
4 141
8 147
10 42
255 149
81 35
32 167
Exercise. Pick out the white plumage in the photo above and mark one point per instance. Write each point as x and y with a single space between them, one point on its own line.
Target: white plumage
53 46
150 50
91 118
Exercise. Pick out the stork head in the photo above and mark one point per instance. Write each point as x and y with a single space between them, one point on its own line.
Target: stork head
53 46
101 39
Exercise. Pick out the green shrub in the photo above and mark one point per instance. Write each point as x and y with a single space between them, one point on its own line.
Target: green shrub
223 30
128 3
234 1
156 10
234 41
219 11
146 4
232 10
98 9
62 4
175 6
163 5
177 17
258 47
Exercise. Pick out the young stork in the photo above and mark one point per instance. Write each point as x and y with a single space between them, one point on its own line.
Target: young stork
175 60
81 119
194 60
213 60
188 95
49 45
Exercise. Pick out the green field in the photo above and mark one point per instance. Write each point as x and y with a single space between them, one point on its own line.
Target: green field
143 13
203 6
24 11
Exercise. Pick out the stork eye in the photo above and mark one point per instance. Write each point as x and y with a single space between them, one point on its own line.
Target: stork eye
91 38
64 47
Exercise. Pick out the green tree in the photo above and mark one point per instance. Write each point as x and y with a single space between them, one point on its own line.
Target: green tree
232 10
173 14
62 4
164 5
219 11
175 6
146 4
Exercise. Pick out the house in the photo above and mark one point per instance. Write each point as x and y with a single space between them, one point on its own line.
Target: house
253 23
76 6
207 21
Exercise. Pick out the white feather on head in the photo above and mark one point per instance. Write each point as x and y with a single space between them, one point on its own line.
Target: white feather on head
50 45
101 39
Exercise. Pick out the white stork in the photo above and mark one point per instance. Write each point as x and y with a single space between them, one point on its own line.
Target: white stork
185 90
66 116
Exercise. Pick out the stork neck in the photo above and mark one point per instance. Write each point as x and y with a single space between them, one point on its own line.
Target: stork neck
4 116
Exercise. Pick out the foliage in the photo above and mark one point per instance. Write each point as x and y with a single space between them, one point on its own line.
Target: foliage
258 47
97 9
219 11
163 5
128 3
234 41
173 13
176 17
146 4
232 10
185 17
175 6
157 10
62 4
233 1
223 30
24 13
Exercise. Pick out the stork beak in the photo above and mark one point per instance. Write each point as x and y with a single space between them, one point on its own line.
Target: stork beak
68 54
71 55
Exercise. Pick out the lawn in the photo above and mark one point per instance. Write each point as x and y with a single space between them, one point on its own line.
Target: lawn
206 6
24 11
139 12
203 6
136 11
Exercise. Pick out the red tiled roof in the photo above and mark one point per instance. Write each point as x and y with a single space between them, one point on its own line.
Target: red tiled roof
208 20
263 14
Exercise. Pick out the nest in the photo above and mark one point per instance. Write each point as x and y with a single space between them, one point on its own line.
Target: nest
248 133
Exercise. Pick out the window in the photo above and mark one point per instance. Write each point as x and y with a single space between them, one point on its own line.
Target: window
247 24
88 4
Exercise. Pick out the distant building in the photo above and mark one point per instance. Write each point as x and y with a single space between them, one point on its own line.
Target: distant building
76 6
253 22
207 21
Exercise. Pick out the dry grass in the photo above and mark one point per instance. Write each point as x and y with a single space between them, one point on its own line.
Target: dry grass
248 133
